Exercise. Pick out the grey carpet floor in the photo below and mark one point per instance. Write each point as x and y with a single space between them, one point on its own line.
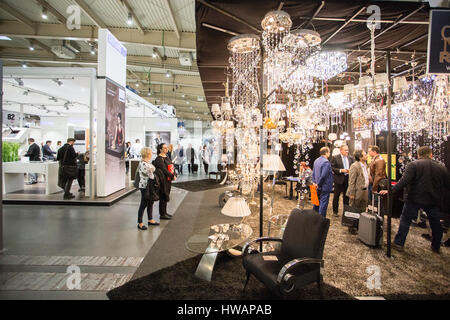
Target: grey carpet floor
198 210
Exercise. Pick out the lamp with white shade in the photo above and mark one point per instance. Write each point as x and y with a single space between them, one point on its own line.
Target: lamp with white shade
236 207
272 162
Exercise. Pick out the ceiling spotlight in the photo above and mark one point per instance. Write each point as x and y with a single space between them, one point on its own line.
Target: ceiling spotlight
53 98
130 19
44 13
168 74
58 82
92 50
199 98
149 92
183 95
137 85
187 102
31 47
19 81
25 93
66 105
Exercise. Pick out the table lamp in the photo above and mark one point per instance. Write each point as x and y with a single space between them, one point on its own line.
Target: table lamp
236 207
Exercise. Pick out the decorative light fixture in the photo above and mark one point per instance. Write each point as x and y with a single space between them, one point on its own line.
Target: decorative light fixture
44 13
236 207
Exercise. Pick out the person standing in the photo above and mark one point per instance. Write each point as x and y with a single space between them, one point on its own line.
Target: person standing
425 179
162 163
169 153
205 158
135 150
179 158
190 155
358 182
58 145
323 180
67 157
47 152
340 164
146 184
34 154
82 160
127 156
377 170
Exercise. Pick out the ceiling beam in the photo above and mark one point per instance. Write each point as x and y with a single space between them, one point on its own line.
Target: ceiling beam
16 14
53 11
414 40
125 36
229 15
91 14
86 58
344 25
319 7
172 18
204 24
130 10
365 20
42 45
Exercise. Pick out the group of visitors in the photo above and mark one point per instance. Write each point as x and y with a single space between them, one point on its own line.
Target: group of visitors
155 180
67 157
423 180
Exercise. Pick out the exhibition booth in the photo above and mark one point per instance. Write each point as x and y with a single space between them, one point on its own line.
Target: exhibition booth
54 104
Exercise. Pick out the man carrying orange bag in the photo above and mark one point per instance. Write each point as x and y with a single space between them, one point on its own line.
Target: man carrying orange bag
323 180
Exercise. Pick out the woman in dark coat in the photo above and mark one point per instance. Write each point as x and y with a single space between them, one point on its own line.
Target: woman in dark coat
162 163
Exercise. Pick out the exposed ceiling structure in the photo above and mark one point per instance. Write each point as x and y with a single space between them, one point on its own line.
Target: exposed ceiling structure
341 25
159 36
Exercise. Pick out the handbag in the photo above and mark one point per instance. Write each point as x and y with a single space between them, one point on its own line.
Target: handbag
171 169
314 196
69 171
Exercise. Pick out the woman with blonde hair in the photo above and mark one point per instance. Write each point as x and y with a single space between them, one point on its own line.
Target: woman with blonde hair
146 184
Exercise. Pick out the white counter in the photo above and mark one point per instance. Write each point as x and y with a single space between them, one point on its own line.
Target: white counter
13 175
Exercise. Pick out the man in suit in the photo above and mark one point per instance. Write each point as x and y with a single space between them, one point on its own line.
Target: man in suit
341 165
47 151
69 159
34 154
323 180
358 181
190 156
377 170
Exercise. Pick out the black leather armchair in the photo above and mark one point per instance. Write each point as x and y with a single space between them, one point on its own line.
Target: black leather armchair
299 260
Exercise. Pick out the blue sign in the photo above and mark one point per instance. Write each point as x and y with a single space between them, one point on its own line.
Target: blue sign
116 45
439 42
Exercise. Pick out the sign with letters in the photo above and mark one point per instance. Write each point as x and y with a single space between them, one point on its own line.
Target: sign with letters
438 57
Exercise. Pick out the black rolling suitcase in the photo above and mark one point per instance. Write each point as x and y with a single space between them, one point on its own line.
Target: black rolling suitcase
194 168
350 216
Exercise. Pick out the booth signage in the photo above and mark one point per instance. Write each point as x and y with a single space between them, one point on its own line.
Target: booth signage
439 42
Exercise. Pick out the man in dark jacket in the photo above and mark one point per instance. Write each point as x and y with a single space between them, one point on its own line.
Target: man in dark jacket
34 153
424 179
323 180
341 165
67 157
47 152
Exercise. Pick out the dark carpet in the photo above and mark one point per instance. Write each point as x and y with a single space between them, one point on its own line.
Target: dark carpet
198 185
178 282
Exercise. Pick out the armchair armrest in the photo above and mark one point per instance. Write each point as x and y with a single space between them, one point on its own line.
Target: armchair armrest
284 272
247 245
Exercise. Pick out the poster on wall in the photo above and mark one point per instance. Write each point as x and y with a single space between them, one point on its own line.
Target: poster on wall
438 54
114 137
114 120
153 138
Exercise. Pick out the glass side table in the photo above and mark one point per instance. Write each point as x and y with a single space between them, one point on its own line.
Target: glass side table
214 239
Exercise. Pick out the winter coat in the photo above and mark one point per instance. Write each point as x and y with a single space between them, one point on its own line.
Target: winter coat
161 165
